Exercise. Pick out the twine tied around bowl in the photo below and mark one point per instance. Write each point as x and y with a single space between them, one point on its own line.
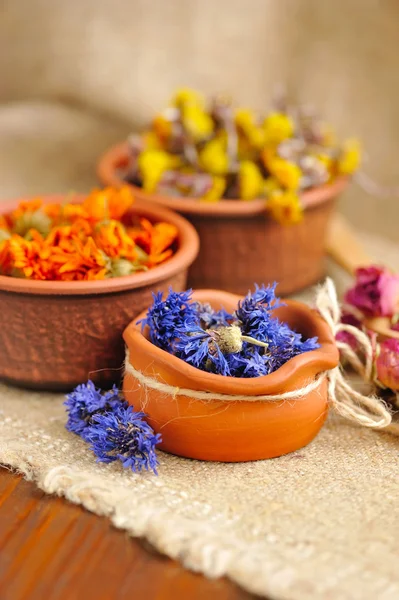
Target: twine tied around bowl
366 410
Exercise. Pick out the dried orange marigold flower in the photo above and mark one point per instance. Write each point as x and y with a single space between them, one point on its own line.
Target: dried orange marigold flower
96 239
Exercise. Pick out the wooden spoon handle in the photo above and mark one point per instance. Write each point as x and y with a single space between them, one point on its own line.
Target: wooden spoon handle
343 246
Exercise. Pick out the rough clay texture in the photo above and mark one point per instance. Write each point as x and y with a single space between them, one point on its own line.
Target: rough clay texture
318 524
231 258
80 346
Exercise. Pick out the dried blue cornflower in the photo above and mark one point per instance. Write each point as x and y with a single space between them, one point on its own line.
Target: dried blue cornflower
201 349
286 344
166 319
254 311
193 346
83 402
256 320
110 425
122 434
250 342
207 349
213 318
248 363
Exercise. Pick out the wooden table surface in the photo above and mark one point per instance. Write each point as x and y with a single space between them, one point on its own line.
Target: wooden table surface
50 549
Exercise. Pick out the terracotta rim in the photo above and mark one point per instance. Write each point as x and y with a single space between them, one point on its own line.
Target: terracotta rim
182 259
116 158
283 379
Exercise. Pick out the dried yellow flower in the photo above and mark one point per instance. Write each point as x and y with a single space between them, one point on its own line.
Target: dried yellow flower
286 172
162 127
349 159
270 186
152 164
217 189
328 163
285 208
152 141
267 155
219 149
213 157
246 124
185 96
250 180
197 122
277 127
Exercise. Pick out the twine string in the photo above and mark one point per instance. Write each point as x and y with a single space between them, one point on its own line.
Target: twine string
366 410
174 391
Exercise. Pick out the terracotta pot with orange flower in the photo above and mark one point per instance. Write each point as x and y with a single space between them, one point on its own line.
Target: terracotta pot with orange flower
73 273
259 190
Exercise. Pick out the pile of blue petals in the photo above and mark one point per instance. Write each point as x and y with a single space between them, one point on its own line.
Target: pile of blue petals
249 342
111 427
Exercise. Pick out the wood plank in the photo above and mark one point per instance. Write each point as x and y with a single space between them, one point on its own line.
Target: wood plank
52 549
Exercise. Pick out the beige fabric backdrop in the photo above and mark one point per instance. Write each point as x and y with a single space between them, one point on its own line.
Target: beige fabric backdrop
125 57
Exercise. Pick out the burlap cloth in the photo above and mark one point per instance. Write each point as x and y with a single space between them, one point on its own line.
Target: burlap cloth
322 523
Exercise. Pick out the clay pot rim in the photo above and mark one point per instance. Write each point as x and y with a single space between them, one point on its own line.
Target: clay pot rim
185 255
283 379
117 156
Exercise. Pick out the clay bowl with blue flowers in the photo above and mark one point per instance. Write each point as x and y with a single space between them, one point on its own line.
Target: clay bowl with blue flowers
231 429
56 334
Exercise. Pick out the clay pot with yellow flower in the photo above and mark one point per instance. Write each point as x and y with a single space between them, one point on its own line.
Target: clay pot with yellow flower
259 191
74 271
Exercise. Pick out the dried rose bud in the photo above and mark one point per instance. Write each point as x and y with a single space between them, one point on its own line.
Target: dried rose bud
387 364
375 293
